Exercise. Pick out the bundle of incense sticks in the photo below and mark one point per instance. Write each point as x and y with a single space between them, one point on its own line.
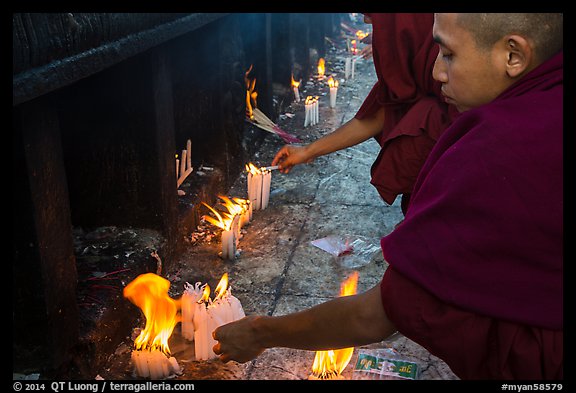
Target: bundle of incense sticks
262 121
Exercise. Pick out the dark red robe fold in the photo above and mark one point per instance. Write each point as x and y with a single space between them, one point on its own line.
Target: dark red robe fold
404 54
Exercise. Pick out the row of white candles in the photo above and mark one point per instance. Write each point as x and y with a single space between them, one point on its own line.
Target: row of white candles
312 116
202 315
240 210
239 214
259 180
154 364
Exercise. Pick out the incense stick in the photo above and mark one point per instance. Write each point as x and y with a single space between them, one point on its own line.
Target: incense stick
263 122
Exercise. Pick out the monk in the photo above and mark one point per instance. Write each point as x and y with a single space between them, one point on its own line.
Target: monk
476 268
404 111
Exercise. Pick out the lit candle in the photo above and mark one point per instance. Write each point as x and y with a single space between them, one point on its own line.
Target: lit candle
354 59
151 355
211 314
246 214
229 223
329 364
254 179
316 110
295 86
321 68
230 239
201 326
266 180
333 91
177 166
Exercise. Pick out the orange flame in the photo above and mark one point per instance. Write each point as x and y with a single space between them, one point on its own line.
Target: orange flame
354 49
253 169
242 202
321 67
361 35
232 207
332 82
150 293
221 287
251 95
205 294
294 83
222 221
330 364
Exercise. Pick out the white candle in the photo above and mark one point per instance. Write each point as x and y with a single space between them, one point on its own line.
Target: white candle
333 93
249 210
177 166
266 180
200 329
308 108
203 340
255 190
183 163
188 303
347 66
236 306
316 111
296 94
229 244
209 315
353 65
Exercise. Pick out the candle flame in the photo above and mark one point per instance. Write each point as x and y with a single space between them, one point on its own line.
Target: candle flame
321 67
332 82
150 293
222 287
232 207
330 364
361 35
222 221
294 83
251 168
205 295
354 49
242 202
251 94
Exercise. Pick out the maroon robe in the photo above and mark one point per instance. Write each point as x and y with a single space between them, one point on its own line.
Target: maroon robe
483 237
416 114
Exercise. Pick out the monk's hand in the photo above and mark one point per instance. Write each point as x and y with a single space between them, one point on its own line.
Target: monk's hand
237 341
289 156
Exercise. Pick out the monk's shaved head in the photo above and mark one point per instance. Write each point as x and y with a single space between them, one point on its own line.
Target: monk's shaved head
544 30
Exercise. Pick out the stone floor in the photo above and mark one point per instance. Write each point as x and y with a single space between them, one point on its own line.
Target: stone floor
278 270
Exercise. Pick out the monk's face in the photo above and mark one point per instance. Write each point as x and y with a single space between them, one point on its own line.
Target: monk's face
470 76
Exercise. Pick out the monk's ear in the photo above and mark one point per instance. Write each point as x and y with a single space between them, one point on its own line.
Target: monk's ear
520 55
